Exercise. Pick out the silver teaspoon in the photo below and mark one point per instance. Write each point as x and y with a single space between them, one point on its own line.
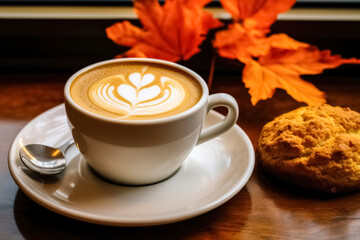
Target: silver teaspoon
44 159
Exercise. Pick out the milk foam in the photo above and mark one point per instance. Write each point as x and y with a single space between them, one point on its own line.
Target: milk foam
139 94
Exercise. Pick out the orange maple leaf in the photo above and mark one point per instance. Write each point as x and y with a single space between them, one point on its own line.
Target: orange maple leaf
275 61
170 32
261 12
243 43
282 68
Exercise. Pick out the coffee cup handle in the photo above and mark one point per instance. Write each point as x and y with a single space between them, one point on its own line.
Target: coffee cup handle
217 100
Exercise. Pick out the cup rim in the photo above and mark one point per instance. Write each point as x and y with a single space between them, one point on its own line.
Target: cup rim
186 113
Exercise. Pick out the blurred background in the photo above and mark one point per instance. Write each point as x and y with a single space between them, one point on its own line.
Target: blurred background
62 36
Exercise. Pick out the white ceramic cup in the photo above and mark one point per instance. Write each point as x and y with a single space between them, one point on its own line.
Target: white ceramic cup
138 152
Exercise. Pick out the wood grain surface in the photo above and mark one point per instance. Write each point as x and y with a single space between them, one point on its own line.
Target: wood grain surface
266 208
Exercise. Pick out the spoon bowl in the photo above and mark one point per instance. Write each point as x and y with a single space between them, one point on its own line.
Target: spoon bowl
44 159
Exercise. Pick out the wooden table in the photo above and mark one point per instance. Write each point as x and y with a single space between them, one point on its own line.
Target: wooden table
266 208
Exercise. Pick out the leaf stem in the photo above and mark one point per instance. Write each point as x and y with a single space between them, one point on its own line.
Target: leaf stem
212 69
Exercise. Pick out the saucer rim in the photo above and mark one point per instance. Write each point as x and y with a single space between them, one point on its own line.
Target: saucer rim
151 221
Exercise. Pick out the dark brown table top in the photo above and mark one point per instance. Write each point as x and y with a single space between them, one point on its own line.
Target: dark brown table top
265 208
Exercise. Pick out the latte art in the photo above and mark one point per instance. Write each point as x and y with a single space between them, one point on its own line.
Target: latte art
135 90
139 94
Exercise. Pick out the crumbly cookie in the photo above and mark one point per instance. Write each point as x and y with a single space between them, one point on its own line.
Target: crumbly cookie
316 147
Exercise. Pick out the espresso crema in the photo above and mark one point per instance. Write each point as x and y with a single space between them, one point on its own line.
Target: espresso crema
135 90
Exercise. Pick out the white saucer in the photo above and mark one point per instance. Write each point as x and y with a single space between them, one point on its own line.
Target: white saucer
213 173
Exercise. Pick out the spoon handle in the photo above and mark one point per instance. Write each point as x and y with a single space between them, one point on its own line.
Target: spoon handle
66 145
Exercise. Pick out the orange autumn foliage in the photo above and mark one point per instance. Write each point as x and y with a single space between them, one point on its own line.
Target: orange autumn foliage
275 61
174 31
170 32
